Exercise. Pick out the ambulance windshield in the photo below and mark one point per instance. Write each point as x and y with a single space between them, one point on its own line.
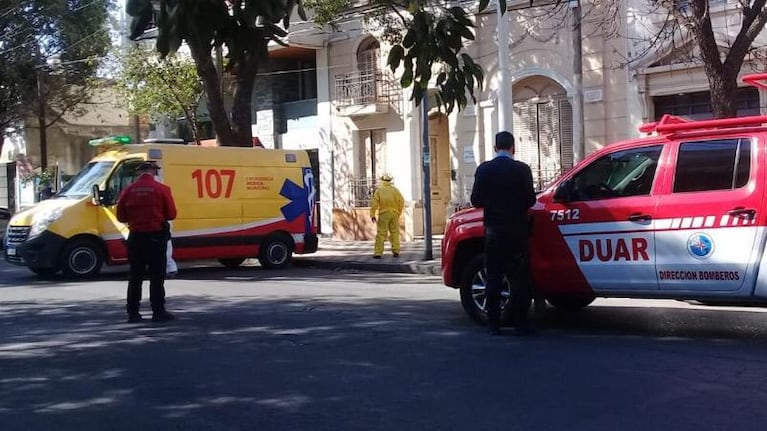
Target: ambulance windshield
82 183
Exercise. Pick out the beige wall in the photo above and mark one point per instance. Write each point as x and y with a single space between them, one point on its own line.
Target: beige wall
617 98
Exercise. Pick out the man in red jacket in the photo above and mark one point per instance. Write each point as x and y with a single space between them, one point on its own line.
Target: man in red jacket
146 206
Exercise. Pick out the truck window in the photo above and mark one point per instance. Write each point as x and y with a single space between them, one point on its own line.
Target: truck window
122 177
620 174
712 165
82 183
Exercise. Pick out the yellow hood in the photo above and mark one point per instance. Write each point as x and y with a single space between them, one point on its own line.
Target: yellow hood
26 217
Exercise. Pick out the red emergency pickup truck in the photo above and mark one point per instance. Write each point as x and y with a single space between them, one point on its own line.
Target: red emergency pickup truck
678 214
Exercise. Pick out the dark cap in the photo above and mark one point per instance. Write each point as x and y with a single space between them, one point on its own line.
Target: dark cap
148 165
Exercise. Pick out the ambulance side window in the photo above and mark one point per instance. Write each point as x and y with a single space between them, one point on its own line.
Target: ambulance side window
620 174
122 177
722 164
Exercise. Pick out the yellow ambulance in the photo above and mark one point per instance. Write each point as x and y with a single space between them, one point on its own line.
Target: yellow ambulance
233 204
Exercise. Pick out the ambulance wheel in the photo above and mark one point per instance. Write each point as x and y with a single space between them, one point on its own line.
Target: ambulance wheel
81 258
473 284
233 262
570 303
276 252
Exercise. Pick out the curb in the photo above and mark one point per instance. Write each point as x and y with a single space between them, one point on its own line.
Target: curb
409 267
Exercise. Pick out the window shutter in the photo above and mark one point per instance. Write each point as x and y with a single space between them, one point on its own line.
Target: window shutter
566 133
526 134
548 141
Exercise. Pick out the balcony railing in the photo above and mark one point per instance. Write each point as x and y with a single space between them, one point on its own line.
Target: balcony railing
366 88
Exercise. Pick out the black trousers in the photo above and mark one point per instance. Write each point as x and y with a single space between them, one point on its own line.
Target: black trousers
147 249
507 254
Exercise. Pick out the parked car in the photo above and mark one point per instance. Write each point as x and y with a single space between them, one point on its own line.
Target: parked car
5 215
679 214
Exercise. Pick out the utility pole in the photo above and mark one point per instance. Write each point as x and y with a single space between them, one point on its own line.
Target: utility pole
426 166
505 116
579 136
41 119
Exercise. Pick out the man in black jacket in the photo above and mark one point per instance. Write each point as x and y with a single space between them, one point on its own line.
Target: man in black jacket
503 187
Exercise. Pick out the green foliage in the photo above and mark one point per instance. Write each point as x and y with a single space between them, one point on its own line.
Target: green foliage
32 32
40 177
156 87
436 36
326 11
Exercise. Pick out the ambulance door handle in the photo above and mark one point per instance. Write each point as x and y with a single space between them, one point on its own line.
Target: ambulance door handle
639 217
740 212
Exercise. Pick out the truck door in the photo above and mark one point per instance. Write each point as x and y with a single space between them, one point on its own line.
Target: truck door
113 231
605 215
710 211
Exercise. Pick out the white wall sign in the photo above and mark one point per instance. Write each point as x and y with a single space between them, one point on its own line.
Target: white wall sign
468 154
592 95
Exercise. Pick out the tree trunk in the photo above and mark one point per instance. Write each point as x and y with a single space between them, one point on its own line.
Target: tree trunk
207 71
724 90
722 77
195 127
242 110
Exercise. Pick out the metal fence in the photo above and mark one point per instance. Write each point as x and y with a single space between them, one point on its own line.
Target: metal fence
543 177
362 191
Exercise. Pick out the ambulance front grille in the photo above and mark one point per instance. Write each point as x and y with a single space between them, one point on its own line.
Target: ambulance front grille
17 234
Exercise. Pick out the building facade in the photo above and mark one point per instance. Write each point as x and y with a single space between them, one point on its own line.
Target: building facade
366 126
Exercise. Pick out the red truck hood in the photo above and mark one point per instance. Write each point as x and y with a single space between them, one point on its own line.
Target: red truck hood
467 215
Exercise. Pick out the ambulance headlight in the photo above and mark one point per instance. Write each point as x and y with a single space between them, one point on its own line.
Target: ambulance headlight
44 219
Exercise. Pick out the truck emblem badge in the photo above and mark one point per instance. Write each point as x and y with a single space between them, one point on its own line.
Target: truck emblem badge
700 245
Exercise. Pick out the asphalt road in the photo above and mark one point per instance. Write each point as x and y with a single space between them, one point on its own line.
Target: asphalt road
306 349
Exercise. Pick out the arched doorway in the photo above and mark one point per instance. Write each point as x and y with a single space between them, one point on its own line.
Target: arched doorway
439 170
543 128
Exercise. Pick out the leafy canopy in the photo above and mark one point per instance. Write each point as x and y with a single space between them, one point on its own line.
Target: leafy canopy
75 33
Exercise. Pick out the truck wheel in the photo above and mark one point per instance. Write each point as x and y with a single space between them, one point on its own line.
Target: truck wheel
276 252
233 262
81 258
473 284
570 303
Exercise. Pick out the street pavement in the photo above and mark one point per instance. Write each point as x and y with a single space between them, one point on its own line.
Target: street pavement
336 254
362 347
315 349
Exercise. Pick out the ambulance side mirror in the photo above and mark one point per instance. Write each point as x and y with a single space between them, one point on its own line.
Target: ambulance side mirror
564 192
100 198
96 194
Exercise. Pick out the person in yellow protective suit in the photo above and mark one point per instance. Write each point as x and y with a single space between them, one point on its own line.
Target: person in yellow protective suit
388 203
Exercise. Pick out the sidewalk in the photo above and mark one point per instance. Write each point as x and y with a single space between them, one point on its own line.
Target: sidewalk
336 254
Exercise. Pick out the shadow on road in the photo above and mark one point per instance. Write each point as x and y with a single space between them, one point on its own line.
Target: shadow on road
327 362
13 276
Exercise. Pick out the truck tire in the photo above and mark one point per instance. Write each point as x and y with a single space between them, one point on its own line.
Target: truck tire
276 252
232 262
570 303
473 283
81 258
